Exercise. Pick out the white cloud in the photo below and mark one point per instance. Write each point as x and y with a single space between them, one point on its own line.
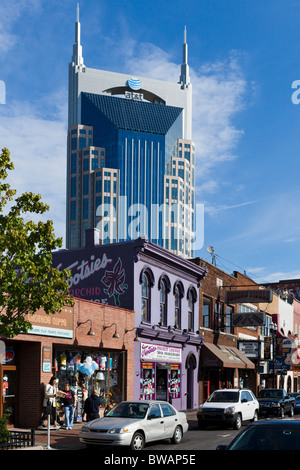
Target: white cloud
218 95
10 12
281 276
219 91
36 134
38 150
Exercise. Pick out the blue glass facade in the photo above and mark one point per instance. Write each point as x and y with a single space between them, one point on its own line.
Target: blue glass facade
139 138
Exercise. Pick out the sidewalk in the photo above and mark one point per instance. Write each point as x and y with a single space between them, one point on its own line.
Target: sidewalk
67 439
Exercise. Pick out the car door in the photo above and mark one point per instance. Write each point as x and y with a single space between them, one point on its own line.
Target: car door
245 406
170 419
253 404
248 405
155 423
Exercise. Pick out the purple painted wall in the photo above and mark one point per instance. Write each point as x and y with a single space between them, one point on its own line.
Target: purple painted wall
166 359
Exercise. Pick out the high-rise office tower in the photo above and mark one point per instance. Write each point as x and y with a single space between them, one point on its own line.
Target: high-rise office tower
131 161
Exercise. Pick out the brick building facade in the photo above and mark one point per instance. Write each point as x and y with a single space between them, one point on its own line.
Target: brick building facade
222 361
55 346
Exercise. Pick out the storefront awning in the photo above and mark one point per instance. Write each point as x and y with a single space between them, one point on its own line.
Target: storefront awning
213 355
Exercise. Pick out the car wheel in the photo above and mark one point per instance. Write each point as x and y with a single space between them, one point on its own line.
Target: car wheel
138 441
201 424
238 422
281 412
292 412
255 417
177 436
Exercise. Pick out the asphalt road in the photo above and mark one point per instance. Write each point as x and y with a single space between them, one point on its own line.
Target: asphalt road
197 439
202 439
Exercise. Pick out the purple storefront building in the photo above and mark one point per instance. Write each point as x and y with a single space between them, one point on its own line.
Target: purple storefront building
162 289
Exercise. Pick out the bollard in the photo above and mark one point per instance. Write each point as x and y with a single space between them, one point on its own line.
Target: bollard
49 406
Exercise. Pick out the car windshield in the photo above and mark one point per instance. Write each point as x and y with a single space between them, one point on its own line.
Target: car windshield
133 410
268 438
224 397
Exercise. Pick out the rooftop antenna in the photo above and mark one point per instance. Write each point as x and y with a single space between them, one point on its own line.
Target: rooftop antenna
184 78
210 249
77 58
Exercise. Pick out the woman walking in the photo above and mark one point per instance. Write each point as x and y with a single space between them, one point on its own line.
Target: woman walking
69 400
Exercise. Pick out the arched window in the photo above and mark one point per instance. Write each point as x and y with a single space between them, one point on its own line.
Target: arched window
191 297
145 297
178 294
146 281
164 287
163 303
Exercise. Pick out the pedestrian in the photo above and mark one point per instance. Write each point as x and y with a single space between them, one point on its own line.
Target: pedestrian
91 406
69 400
50 394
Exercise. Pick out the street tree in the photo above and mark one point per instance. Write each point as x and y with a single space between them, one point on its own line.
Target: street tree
28 281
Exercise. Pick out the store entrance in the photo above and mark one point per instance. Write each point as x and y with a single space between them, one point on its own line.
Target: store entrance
8 393
162 383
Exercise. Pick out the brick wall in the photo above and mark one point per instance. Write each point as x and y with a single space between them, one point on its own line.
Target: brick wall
30 377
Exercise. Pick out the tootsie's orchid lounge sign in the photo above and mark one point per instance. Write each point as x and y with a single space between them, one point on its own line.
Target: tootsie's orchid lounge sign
157 352
99 276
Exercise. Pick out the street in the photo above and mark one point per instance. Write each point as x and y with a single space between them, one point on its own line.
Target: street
195 439
199 439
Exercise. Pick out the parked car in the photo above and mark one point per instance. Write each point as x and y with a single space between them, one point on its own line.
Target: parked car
230 407
297 401
273 401
134 423
267 435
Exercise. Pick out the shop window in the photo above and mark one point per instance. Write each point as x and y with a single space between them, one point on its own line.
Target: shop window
87 370
160 382
147 381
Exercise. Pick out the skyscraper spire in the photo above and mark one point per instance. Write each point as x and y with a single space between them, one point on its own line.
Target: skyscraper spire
77 58
185 76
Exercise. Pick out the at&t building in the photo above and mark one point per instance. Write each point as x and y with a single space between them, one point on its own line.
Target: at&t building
131 160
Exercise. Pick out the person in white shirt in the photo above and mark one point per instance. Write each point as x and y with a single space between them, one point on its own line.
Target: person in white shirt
50 394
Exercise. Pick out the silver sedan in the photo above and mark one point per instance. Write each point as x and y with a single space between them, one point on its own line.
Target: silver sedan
133 423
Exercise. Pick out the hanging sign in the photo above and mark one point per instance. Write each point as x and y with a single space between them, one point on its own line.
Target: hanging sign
249 319
248 296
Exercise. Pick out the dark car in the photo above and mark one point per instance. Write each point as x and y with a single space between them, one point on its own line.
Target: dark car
276 401
297 402
267 435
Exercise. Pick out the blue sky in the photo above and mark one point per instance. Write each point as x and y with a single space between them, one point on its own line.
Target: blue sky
243 58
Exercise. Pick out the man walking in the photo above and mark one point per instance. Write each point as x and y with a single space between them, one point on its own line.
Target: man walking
91 406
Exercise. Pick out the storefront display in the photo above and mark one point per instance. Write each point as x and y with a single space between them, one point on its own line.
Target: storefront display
8 383
87 370
160 379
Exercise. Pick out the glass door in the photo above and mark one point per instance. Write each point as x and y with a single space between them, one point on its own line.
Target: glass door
8 393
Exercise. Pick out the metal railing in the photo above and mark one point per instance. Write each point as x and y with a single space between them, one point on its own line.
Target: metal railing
17 439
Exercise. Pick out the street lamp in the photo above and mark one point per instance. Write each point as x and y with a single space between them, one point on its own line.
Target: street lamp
273 331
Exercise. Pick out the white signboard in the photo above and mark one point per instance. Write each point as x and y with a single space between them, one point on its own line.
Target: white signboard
157 352
249 348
